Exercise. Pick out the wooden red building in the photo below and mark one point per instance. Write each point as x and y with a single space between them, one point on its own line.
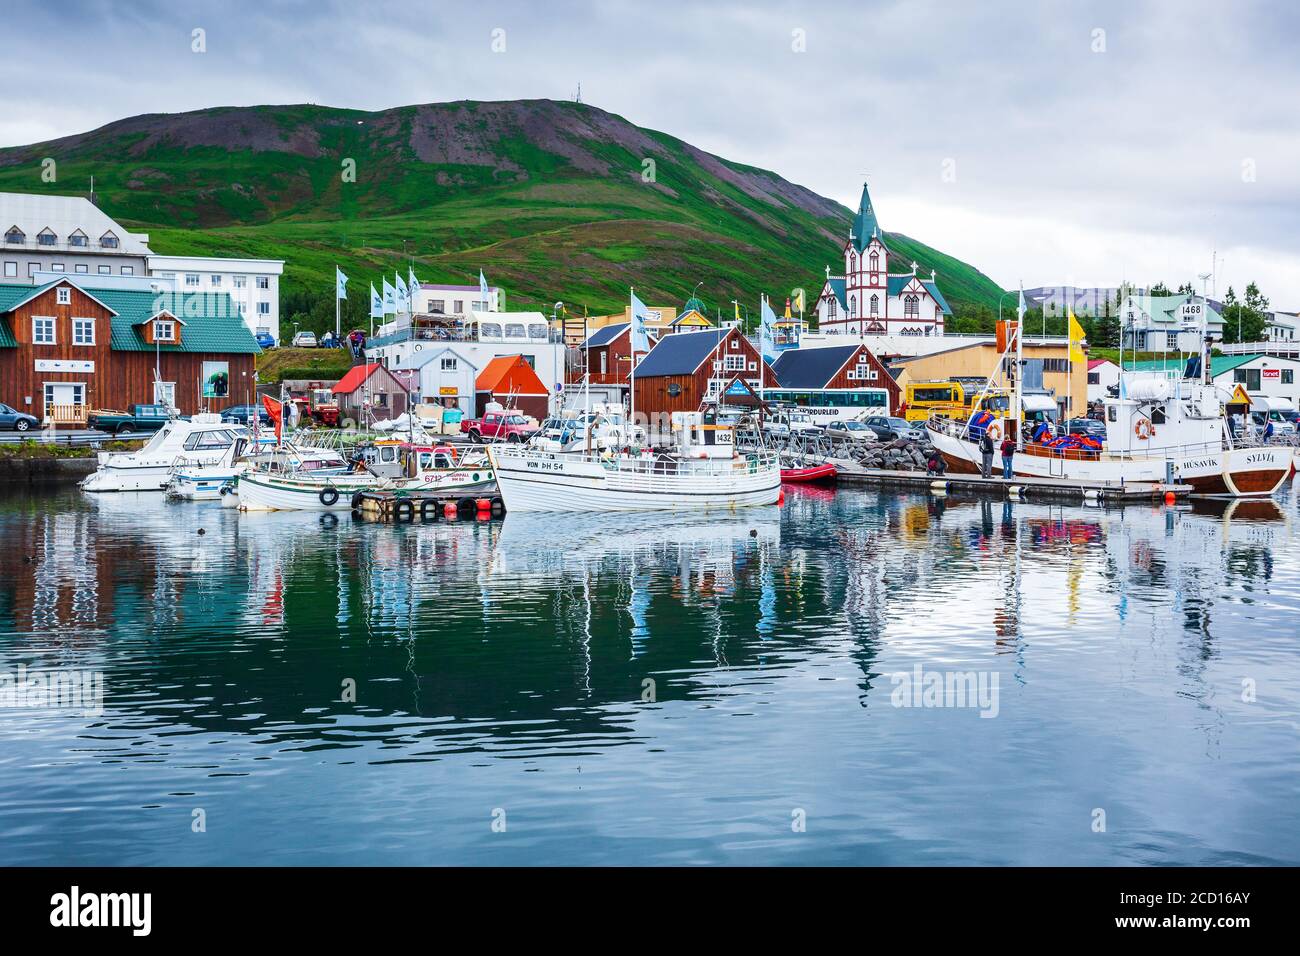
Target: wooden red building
67 347
685 368
846 368
511 382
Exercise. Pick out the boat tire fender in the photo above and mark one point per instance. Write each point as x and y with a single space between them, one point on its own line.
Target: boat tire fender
356 501
428 509
466 507
329 496
404 509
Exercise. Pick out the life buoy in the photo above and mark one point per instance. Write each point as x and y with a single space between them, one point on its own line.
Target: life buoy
329 496
994 431
1143 429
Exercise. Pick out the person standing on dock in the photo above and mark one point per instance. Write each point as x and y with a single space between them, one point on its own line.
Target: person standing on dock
986 452
1008 453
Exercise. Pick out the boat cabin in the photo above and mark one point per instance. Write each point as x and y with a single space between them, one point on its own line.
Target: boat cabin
699 435
1162 410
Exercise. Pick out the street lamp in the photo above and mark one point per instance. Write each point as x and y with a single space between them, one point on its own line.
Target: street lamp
1000 298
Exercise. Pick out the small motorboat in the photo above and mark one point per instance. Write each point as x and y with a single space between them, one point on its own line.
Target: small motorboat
807 472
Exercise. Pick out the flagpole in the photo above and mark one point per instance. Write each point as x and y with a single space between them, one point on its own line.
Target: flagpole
631 340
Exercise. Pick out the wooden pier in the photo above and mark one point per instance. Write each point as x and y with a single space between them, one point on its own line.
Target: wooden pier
399 507
1014 488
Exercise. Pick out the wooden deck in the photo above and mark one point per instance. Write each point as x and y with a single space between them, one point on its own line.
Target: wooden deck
999 487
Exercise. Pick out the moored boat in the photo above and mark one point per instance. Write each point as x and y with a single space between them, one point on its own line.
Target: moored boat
808 474
204 440
703 471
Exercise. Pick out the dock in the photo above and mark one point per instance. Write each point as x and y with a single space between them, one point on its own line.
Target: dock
1014 488
400 507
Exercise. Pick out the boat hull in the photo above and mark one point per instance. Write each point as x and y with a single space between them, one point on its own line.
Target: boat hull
817 473
276 493
572 483
1231 473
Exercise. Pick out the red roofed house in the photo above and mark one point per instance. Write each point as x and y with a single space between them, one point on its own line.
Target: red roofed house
511 381
370 393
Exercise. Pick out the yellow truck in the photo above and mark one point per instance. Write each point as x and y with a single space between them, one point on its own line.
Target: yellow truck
953 398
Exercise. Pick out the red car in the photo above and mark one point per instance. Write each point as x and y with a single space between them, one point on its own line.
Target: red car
498 426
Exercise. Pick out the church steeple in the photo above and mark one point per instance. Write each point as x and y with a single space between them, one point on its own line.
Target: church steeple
865 226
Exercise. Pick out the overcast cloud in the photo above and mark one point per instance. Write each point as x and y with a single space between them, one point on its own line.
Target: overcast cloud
1074 156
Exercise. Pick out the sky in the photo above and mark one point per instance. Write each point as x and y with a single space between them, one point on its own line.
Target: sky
1049 143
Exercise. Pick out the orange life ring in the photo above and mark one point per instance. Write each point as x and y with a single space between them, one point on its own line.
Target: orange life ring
993 431
1143 429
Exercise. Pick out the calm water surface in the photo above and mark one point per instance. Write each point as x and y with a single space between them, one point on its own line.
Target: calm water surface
653 689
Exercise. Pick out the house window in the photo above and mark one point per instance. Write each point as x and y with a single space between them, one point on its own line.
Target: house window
734 363
911 307
105 270
128 270
460 306
83 331
853 375
753 366
1288 376
42 330
78 239
853 306
108 241
603 363
449 365
46 238
57 267
216 281
82 267
1171 340
164 393
15 237
263 282
264 308
875 261
830 309
64 296
437 306
241 282
11 270
875 305
164 330
32 269
1248 377
1094 378
192 279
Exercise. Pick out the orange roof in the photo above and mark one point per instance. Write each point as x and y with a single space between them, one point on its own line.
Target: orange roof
355 378
509 373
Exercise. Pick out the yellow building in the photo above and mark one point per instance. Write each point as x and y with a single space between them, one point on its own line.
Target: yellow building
979 359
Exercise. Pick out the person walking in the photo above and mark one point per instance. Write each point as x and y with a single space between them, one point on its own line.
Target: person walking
986 452
1008 453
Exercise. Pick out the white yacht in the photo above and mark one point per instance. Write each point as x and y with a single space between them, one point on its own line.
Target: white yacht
703 471
194 481
203 440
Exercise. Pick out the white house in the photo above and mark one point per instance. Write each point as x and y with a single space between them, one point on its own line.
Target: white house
65 234
1281 327
867 299
1103 375
1167 323
456 300
252 284
446 376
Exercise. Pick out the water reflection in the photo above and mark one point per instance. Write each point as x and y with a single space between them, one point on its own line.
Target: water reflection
228 643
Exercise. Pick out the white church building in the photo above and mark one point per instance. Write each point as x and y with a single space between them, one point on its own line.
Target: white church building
867 299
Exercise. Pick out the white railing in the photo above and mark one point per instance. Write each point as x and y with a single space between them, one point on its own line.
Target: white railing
1286 348
657 464
66 414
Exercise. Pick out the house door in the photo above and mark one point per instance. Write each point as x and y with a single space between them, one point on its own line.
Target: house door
65 402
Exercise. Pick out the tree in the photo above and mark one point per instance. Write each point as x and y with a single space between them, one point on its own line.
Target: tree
1105 334
1246 320
1159 289
1186 289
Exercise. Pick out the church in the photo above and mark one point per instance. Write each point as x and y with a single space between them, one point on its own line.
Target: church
867 299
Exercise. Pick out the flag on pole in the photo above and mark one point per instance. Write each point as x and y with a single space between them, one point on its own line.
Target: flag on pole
737 305
340 284
275 410
390 299
766 337
403 294
1077 336
412 285
376 303
484 291
640 335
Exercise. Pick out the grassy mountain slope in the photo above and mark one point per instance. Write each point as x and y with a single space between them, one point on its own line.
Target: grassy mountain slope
553 200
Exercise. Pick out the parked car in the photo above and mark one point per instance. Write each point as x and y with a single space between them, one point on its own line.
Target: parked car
18 421
304 340
243 415
136 418
851 431
1086 426
889 428
498 426
265 340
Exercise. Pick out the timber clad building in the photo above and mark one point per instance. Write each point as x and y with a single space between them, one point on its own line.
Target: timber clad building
67 347
847 368
685 368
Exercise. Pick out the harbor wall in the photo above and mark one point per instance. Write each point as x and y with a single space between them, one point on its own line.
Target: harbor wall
45 470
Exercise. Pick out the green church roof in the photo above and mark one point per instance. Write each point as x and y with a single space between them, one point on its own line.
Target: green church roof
864 224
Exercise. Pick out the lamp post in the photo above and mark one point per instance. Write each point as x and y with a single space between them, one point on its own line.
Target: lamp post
1000 298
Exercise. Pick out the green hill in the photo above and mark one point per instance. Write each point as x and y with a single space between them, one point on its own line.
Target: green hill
552 200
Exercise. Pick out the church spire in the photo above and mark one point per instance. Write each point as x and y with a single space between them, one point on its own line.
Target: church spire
864 224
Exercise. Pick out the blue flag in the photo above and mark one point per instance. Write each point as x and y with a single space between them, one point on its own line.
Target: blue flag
390 299
403 294
376 303
766 329
640 334
340 284
412 286
484 292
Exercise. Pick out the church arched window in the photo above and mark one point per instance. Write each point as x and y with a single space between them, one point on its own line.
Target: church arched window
830 307
853 306
875 261
875 305
911 307
853 262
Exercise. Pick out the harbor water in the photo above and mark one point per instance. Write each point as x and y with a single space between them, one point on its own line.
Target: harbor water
854 678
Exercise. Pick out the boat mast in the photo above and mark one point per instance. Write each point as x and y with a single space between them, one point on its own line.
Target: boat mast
1020 365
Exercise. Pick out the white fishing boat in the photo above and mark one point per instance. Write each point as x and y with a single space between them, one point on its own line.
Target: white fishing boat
380 466
194 481
204 439
703 471
1162 427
